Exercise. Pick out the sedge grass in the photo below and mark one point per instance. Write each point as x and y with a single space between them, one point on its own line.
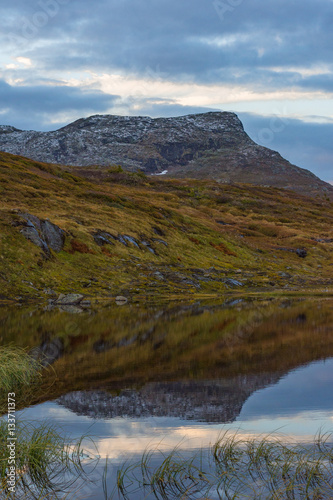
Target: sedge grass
19 374
234 468
47 464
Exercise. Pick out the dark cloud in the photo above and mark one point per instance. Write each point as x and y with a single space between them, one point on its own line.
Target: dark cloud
35 106
179 37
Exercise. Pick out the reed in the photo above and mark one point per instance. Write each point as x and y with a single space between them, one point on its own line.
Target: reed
234 468
47 462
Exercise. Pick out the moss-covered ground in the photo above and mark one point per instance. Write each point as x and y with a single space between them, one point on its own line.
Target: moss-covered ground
203 234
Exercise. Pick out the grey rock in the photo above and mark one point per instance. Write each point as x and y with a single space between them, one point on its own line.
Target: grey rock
104 238
301 252
284 275
130 239
160 241
53 235
32 220
102 346
31 234
125 342
158 231
233 282
120 300
42 233
147 245
71 299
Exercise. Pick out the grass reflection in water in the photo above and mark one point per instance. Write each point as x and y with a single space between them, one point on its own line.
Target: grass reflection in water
110 350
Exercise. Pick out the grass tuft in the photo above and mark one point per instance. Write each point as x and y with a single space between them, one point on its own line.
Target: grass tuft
235 468
19 373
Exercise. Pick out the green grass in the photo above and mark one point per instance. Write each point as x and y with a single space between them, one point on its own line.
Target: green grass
46 462
205 225
19 374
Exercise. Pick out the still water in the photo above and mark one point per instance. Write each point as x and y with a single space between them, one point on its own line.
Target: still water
178 375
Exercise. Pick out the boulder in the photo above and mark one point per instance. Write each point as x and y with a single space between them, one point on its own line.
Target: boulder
301 252
53 235
71 299
42 233
31 234
120 300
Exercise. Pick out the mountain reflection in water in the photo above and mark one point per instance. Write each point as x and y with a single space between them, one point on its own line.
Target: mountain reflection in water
198 360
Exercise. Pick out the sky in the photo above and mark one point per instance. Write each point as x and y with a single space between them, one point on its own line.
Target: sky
270 61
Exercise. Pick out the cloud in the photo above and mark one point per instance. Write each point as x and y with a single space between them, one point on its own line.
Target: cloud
185 39
26 106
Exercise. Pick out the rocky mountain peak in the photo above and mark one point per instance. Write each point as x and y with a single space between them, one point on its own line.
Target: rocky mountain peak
210 145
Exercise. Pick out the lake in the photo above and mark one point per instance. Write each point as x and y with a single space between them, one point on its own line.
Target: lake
178 375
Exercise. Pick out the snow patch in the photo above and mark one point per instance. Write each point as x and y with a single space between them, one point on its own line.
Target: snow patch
161 173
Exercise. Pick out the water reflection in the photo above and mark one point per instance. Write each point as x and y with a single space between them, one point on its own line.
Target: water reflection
178 375
268 410
200 359
127 438
207 401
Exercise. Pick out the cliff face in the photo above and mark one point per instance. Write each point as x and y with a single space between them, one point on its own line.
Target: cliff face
209 145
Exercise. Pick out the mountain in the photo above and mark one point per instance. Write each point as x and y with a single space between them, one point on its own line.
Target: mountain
202 146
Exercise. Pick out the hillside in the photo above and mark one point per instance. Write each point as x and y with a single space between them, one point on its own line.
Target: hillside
203 146
136 235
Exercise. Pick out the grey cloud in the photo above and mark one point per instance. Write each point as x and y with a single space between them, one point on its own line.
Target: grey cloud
35 106
160 108
131 36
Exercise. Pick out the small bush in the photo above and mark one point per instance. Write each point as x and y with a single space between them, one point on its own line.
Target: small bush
221 247
78 246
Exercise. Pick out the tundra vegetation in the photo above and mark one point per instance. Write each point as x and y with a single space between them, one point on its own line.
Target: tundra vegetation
122 233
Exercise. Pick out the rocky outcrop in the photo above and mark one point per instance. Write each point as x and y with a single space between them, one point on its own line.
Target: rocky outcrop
208 145
104 238
42 233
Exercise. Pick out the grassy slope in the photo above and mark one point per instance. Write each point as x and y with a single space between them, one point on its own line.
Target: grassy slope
201 253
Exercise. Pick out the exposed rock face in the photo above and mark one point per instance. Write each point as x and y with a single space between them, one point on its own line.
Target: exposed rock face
42 233
208 401
208 145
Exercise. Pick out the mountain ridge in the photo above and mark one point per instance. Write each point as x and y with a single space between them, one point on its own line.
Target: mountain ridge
211 145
